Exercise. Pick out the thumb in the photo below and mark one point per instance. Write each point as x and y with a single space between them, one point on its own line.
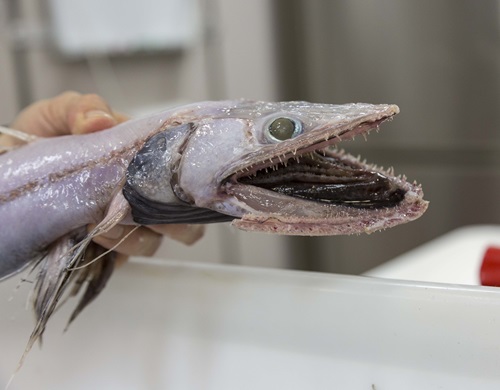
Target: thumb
67 113
89 114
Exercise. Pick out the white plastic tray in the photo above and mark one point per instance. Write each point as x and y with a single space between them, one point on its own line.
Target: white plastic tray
167 325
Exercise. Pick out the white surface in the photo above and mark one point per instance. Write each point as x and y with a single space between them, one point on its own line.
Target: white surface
455 257
177 326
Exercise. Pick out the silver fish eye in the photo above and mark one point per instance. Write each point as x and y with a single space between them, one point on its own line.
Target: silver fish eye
284 128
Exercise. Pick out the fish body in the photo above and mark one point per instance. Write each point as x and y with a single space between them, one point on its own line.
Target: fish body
271 167
53 186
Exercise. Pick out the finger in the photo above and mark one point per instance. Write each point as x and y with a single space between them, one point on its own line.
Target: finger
90 113
120 117
120 259
74 113
141 242
46 118
187 234
67 113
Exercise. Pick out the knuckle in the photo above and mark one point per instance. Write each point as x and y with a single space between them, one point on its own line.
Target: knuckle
67 95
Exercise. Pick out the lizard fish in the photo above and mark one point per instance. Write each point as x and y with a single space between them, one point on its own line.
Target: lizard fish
269 167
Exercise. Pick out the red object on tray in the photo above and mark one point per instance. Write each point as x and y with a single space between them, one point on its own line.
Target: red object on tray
490 267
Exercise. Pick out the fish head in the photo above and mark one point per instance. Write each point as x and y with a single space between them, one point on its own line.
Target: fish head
277 167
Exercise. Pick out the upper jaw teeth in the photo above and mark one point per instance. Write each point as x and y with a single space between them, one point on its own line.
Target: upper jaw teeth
296 153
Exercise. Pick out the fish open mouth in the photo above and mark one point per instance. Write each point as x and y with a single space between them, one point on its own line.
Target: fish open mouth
328 176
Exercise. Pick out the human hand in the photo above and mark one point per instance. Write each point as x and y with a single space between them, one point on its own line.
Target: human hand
74 113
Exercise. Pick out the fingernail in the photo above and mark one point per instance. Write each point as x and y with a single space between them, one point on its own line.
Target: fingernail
98 114
149 245
93 120
191 234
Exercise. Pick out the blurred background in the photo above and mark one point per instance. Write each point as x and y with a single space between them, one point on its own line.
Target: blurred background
438 60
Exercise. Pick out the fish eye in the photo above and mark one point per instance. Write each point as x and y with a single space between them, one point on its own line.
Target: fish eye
282 129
